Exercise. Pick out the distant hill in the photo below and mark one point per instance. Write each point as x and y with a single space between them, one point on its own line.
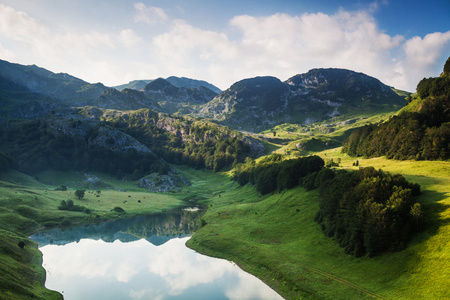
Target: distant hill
421 130
183 82
259 103
58 86
177 99
134 85
180 82
32 92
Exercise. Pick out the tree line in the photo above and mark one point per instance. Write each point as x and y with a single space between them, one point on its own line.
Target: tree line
35 148
272 173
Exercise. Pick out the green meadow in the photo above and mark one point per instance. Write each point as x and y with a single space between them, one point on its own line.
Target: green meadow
276 238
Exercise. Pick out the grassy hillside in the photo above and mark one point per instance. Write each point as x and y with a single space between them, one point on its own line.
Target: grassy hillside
276 238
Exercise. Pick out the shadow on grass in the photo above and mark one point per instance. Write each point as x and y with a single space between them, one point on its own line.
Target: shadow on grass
433 209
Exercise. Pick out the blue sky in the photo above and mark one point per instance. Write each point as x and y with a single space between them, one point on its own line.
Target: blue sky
113 42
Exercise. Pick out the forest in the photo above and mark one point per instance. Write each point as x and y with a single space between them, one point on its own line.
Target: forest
34 146
369 211
272 173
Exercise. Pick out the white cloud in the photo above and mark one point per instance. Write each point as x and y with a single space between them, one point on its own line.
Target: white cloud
19 26
129 38
422 57
7 54
280 45
292 44
149 15
283 45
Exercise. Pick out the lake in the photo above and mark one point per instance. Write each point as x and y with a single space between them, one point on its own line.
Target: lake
141 258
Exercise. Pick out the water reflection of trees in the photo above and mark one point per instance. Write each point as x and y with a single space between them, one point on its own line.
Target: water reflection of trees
156 228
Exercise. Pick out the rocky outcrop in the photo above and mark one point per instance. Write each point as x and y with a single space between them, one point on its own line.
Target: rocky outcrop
93 133
92 182
157 183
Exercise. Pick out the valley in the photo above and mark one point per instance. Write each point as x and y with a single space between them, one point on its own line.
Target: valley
150 146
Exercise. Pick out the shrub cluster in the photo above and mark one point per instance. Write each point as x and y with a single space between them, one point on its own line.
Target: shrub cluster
70 206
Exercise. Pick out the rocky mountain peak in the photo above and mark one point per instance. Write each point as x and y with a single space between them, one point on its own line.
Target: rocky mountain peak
160 85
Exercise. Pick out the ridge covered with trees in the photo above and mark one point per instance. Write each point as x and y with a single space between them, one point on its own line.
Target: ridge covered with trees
420 132
121 143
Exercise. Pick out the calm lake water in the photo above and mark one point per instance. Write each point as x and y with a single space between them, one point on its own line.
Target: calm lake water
141 258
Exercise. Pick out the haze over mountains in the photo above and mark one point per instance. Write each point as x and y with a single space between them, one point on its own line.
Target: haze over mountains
252 104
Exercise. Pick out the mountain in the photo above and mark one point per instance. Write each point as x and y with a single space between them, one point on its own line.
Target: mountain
173 99
260 103
180 82
32 92
57 86
183 82
253 104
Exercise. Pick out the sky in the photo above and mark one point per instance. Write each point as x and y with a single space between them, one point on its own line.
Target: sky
116 41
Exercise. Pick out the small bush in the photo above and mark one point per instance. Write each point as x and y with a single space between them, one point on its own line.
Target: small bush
79 193
118 209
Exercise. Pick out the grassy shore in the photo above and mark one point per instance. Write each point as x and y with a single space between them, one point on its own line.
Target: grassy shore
27 206
275 238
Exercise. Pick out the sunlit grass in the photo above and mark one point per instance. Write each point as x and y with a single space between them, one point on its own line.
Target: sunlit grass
276 238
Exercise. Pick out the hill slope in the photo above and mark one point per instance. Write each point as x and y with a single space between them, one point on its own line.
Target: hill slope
420 131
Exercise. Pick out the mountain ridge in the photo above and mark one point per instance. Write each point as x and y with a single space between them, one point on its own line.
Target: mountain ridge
258 103
252 104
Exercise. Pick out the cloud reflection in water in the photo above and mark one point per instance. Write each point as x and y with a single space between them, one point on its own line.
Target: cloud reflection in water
94 269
